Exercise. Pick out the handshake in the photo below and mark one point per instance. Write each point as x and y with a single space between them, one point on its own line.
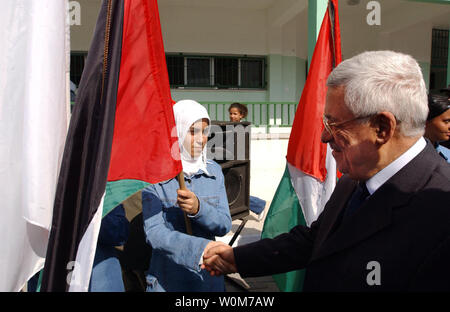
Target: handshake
218 259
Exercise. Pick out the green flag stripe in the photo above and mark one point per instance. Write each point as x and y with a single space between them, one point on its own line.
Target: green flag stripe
285 213
118 191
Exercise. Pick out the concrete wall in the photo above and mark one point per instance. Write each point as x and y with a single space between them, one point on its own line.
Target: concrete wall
405 27
81 35
209 30
279 30
267 164
240 31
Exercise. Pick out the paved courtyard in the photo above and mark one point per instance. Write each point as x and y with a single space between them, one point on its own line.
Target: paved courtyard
251 232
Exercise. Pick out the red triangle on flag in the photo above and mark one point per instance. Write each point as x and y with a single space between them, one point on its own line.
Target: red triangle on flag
305 149
143 140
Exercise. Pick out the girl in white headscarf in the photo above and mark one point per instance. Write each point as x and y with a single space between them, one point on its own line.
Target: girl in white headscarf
192 122
176 257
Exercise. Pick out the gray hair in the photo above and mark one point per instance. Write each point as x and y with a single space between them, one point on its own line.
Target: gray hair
379 81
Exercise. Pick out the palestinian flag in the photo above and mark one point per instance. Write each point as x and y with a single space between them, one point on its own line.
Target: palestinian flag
120 136
310 174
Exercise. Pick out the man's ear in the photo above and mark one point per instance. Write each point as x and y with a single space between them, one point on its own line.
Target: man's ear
384 124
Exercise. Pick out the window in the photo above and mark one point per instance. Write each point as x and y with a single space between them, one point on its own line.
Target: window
226 72
439 58
198 72
216 71
251 71
175 67
77 60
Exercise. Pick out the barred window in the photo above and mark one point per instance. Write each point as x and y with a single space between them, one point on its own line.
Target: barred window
175 67
439 59
216 71
251 71
77 60
198 72
226 71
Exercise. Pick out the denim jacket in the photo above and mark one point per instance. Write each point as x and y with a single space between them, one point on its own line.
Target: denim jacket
443 152
106 271
174 265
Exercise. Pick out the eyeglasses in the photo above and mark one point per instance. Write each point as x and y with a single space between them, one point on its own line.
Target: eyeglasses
336 125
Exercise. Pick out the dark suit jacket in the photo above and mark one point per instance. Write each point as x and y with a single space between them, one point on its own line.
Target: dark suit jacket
404 226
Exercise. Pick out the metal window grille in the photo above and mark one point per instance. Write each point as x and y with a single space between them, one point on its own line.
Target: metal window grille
439 58
216 71
77 60
198 72
226 72
175 68
251 73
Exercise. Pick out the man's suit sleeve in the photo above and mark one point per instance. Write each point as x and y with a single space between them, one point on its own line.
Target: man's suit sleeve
286 252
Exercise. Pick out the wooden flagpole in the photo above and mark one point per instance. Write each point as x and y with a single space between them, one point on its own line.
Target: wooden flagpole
186 219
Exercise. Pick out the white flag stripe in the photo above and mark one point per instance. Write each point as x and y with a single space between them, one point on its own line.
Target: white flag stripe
313 194
33 126
82 267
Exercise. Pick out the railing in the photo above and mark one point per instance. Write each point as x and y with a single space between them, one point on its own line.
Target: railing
260 114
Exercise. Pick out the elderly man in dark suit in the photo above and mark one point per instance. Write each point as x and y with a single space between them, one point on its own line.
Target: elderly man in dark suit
386 226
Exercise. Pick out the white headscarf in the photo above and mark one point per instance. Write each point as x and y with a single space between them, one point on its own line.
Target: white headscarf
187 112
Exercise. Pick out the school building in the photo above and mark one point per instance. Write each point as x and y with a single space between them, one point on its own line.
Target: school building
257 52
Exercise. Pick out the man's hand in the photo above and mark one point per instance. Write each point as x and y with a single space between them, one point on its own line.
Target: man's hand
218 259
187 201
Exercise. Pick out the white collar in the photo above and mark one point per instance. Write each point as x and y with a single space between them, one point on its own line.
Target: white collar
386 173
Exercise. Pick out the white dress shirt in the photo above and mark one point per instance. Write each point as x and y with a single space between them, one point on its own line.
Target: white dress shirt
386 173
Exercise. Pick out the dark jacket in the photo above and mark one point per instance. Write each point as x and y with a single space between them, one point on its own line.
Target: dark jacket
404 226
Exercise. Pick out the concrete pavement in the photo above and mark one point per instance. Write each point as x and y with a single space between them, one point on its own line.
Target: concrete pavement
250 233
267 164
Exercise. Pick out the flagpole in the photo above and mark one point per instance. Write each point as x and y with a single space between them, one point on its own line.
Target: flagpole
180 178
331 17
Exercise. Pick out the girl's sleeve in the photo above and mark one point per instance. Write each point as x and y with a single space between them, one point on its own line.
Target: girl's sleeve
214 211
114 229
181 248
